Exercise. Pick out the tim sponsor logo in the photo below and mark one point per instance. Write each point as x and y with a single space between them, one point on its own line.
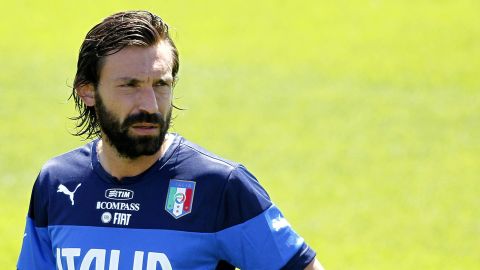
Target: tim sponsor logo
103 259
119 194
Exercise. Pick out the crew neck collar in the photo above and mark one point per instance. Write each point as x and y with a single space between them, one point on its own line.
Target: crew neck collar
104 175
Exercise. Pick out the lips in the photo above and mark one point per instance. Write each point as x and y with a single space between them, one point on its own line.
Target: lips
145 129
145 126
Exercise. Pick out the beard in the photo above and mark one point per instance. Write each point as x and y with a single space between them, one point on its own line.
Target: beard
116 132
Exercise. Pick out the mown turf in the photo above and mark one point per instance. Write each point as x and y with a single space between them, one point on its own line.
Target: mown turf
359 117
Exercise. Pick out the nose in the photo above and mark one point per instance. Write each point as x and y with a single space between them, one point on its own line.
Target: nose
147 100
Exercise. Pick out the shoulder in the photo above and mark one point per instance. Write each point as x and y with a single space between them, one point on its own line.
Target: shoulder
196 159
62 169
235 191
72 164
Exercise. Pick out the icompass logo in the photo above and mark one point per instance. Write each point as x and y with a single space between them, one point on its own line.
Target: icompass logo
119 194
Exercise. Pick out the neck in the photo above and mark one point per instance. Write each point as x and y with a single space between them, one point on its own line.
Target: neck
121 167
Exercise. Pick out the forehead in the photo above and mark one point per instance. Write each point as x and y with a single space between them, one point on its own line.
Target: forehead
139 62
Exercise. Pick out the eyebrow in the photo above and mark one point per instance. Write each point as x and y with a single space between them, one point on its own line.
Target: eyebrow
168 79
127 79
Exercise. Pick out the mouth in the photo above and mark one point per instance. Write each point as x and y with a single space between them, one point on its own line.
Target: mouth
145 125
145 128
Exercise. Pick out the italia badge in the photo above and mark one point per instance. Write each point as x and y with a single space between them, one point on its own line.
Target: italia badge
180 197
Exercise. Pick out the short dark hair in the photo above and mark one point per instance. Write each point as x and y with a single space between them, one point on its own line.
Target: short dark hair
130 28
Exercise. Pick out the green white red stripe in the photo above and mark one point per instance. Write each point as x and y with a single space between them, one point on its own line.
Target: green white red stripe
180 197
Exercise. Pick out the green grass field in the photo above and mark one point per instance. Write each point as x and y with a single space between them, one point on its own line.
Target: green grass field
361 118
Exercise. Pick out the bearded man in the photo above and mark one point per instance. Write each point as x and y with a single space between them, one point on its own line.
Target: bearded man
138 197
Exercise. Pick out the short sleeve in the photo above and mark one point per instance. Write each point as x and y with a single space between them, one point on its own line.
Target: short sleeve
36 252
253 233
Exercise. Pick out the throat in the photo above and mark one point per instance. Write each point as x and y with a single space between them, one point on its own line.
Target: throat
120 167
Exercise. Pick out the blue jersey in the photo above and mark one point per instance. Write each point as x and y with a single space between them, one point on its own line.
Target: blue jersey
190 210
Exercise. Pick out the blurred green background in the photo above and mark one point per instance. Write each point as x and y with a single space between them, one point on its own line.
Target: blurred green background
361 118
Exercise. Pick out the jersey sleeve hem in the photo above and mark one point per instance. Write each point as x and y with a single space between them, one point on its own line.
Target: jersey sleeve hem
304 256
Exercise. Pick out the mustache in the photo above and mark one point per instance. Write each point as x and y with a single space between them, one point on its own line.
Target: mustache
143 117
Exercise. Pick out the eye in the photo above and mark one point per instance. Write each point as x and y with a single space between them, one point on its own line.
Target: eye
127 85
160 84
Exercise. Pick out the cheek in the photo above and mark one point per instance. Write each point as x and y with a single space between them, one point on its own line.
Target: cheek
164 102
119 108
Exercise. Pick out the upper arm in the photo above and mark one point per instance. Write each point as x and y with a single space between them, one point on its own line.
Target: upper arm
36 252
254 233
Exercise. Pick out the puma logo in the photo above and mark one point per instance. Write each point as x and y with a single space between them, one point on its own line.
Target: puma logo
64 190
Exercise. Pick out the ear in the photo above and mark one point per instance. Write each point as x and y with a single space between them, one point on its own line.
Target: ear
87 93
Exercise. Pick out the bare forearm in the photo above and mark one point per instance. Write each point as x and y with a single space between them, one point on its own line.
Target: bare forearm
314 265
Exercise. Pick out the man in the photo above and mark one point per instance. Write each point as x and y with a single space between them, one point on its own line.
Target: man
138 197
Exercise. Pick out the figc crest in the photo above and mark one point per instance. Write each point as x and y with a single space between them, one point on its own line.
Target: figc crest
180 197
